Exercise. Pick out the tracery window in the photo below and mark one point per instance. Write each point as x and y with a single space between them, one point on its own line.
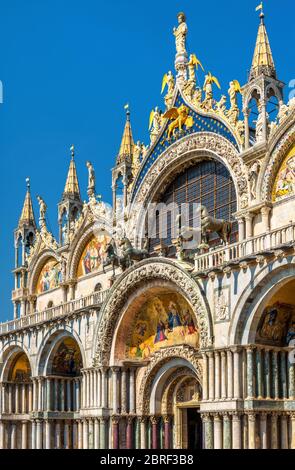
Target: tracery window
208 183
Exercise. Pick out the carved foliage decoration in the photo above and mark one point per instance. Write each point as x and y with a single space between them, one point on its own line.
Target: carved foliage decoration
160 358
128 283
206 142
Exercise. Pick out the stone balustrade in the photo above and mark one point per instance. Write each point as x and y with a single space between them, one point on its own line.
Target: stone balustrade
61 310
235 252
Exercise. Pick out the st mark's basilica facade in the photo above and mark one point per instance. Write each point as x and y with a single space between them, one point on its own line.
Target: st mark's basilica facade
121 340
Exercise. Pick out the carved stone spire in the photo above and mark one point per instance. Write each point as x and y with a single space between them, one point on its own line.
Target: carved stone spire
27 216
127 143
72 188
263 62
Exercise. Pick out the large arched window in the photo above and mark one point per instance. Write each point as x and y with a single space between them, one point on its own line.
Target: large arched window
208 183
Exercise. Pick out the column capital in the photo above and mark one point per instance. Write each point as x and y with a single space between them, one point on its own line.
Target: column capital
154 419
217 417
251 416
236 416
142 418
115 419
167 419
206 417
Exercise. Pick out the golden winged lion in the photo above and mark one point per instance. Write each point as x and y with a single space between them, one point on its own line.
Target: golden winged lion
179 117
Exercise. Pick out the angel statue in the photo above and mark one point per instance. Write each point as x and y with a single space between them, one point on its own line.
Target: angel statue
221 105
91 179
193 65
155 123
136 158
180 117
43 208
234 89
209 80
180 34
168 80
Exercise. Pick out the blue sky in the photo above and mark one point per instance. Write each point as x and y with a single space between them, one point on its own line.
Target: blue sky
68 67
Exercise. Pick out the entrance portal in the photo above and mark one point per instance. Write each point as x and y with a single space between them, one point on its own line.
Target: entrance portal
194 429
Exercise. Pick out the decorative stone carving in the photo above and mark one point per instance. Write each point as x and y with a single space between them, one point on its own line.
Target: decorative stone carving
129 282
160 358
221 302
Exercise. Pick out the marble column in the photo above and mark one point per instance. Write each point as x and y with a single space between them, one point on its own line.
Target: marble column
115 371
274 431
251 431
33 435
24 435
211 375
143 433
39 434
208 431
265 211
124 392
292 430
263 430
260 392
103 430
217 375
39 406
132 400
154 421
267 373
247 130
229 374
2 435
237 380
66 435
48 394
223 375
23 398
16 397
284 432
56 394
10 411
217 431
167 432
275 375
62 395
205 377
30 397
104 387
129 432
115 431
91 433
85 434
250 373
80 434
57 435
75 434
13 436
241 224
137 432
291 369
236 431
249 225
227 431
283 370
47 434
96 433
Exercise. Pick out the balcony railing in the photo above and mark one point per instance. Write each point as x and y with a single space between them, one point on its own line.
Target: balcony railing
216 258
235 252
61 310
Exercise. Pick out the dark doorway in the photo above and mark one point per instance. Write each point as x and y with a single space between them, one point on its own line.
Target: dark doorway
194 429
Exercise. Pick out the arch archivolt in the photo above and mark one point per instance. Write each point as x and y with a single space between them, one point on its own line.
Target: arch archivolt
81 241
132 281
254 298
275 157
8 354
175 380
163 361
188 151
36 268
49 345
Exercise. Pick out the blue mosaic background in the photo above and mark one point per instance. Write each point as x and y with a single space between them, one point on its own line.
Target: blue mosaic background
201 124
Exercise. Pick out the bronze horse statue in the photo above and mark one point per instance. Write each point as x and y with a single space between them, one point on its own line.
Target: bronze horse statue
131 254
222 227
113 258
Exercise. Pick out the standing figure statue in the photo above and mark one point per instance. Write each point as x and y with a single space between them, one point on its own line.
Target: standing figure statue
155 124
180 34
43 208
234 89
91 179
136 158
193 65
208 89
168 80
